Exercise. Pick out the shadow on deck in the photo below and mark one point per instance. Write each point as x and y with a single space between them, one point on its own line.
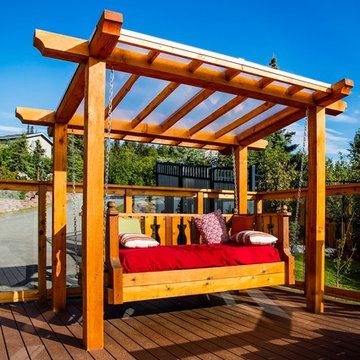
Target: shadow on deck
258 324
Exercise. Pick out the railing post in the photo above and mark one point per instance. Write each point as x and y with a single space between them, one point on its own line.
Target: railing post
258 205
42 234
128 200
200 202
283 244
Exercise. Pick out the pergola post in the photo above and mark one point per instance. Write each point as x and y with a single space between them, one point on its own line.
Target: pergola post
59 218
315 216
241 173
93 211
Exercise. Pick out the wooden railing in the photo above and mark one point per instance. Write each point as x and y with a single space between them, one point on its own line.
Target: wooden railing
129 192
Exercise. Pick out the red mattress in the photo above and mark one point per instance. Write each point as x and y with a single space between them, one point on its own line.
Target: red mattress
162 258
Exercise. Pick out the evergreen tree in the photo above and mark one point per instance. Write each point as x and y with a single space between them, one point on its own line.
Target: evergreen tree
273 63
354 156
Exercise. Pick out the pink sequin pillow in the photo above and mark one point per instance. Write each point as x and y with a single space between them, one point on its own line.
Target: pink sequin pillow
212 228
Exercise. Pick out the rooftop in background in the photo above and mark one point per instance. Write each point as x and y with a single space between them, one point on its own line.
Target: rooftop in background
45 142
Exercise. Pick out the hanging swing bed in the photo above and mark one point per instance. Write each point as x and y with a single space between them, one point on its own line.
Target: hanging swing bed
280 99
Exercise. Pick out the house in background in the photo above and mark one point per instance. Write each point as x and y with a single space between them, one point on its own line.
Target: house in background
45 142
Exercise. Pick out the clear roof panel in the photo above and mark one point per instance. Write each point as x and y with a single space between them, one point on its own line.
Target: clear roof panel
233 115
173 102
141 94
204 109
258 119
132 48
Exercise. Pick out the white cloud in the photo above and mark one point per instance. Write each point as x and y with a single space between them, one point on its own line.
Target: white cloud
343 118
335 141
11 129
7 115
334 131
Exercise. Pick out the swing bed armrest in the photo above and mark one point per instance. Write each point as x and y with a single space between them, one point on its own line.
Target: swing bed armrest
113 269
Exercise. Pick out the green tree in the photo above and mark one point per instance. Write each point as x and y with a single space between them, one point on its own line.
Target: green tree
77 156
17 158
273 63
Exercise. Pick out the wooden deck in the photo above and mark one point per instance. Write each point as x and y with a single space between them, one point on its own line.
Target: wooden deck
259 324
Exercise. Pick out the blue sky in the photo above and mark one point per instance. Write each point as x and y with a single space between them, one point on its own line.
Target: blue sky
317 39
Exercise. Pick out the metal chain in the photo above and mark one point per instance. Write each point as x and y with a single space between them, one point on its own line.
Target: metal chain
108 139
74 209
301 177
236 195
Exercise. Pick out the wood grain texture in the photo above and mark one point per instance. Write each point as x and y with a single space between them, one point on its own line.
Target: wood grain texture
42 237
92 225
59 218
315 211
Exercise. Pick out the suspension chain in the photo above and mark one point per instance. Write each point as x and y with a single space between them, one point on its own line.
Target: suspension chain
73 201
108 139
236 195
301 177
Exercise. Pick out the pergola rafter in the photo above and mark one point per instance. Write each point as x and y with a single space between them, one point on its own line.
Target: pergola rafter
108 49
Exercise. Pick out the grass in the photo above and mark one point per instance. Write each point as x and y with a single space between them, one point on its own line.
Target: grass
349 281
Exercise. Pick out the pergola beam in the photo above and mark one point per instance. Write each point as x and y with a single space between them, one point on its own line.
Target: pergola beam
101 45
171 70
47 118
72 97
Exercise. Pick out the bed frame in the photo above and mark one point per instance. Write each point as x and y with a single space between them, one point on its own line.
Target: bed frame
174 229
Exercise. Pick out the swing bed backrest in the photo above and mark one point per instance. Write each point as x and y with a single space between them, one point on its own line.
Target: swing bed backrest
179 229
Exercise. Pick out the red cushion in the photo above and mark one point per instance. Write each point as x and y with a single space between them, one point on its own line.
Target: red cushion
212 228
162 258
241 223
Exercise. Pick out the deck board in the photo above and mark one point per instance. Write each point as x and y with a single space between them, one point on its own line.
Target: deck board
258 324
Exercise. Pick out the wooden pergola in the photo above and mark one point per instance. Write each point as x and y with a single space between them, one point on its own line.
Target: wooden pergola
284 99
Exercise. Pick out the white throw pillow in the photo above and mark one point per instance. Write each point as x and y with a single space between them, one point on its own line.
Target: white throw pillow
250 237
131 241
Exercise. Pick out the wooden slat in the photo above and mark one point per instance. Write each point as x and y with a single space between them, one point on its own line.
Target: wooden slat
222 110
173 276
186 108
59 218
241 161
231 73
154 103
136 293
92 222
315 211
13 340
245 118
194 65
265 81
32 343
42 237
152 55
293 89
